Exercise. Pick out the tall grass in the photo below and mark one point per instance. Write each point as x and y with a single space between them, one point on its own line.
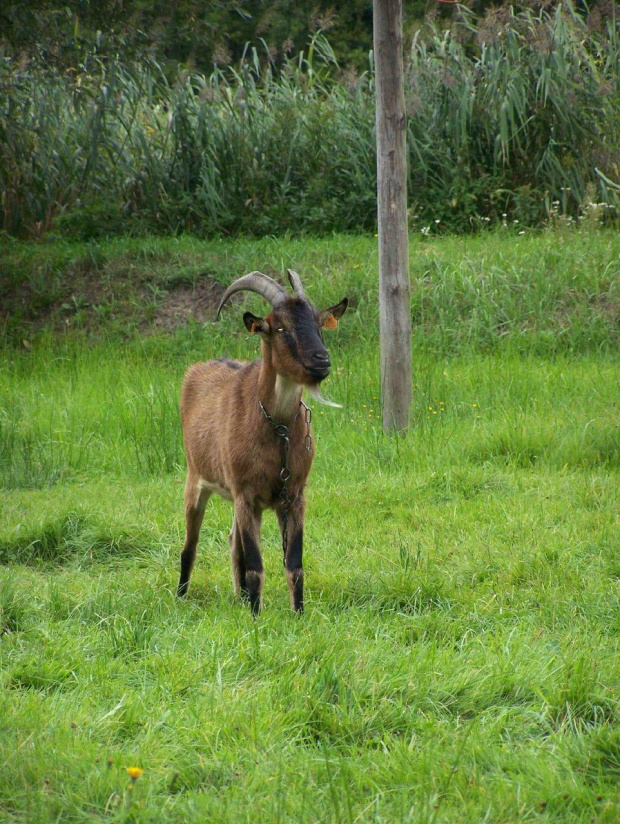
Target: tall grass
239 150
509 120
551 292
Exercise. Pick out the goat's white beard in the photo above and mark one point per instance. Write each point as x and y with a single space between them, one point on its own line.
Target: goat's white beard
315 390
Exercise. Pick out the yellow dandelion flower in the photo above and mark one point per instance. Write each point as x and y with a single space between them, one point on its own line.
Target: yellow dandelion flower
134 773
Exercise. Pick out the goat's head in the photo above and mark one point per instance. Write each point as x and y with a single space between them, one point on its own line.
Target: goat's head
292 331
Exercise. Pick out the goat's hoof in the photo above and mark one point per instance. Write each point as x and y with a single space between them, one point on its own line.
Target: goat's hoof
255 607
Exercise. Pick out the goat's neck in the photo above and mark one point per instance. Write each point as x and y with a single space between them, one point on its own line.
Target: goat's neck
279 395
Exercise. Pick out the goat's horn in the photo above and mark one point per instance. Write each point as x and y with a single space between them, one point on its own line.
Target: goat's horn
256 282
296 283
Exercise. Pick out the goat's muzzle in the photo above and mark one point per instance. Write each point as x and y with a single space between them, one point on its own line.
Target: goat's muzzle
319 366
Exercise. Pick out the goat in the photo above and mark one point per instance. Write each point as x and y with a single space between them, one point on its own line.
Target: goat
237 417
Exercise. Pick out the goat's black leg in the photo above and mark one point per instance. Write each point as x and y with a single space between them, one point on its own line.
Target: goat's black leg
293 559
238 562
196 498
248 520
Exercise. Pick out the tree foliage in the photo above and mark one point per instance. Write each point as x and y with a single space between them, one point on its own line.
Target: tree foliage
193 33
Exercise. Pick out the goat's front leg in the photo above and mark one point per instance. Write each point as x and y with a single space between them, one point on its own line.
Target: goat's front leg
247 526
293 559
196 497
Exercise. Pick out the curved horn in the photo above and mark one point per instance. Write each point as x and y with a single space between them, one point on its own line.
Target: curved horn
296 283
259 283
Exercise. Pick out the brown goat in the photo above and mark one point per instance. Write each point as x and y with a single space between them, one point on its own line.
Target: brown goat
234 418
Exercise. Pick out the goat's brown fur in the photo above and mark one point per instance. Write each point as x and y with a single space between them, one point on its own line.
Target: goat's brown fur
232 449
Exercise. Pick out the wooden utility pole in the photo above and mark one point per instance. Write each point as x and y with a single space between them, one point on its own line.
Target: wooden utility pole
394 289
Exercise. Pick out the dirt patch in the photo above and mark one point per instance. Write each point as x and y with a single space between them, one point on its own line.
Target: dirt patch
199 302
90 297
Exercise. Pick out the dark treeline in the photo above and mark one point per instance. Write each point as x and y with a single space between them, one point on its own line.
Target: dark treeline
513 118
197 34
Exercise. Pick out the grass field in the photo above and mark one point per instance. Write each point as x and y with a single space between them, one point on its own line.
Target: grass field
458 659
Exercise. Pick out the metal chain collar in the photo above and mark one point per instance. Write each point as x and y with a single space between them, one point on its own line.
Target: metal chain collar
281 430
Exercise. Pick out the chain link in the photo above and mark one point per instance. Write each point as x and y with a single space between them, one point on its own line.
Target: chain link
281 430
308 417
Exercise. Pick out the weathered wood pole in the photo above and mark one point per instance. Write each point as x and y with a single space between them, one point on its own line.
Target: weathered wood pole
394 289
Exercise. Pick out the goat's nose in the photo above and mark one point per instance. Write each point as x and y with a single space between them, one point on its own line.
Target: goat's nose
321 358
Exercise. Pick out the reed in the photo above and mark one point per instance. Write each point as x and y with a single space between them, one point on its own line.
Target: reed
510 120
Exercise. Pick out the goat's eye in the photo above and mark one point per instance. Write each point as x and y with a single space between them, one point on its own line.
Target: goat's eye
280 329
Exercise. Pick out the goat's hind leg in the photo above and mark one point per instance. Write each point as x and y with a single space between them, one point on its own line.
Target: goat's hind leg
247 521
196 497
238 562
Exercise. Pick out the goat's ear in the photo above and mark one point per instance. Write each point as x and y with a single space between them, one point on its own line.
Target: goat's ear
331 316
254 325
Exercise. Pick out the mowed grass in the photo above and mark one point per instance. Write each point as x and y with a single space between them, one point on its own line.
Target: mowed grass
458 659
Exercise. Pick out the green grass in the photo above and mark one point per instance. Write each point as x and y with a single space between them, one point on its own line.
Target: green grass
458 659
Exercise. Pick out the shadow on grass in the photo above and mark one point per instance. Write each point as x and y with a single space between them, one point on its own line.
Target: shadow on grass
72 537
397 594
590 448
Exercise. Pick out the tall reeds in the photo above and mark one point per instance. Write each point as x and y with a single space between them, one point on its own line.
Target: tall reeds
514 118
